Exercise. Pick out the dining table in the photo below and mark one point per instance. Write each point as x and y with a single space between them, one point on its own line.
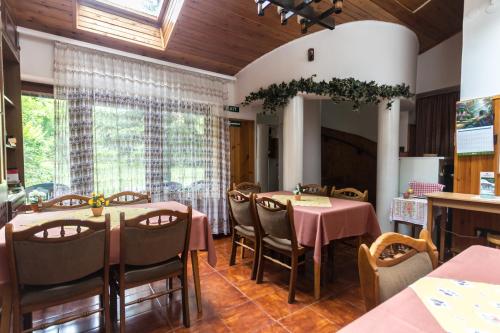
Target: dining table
320 220
200 239
409 312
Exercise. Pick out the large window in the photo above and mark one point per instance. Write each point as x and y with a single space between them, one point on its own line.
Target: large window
38 136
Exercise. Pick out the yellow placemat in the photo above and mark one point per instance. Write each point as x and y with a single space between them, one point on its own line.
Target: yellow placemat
461 306
86 214
305 200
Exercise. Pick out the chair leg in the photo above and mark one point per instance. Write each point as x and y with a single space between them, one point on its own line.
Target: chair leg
255 260
243 241
232 259
16 318
122 310
169 287
293 279
107 314
185 301
113 298
27 321
260 264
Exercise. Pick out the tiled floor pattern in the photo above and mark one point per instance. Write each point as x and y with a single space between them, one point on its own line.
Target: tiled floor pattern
234 303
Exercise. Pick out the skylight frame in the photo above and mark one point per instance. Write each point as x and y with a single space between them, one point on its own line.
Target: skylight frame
130 13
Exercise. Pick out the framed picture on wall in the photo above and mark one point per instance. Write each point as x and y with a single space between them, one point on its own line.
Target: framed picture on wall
475 127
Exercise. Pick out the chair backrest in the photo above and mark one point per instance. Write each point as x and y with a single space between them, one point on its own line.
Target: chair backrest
315 189
275 219
58 251
392 263
154 237
128 198
68 201
350 194
247 187
240 208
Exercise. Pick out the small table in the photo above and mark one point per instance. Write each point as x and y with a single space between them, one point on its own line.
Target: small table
412 211
405 312
472 202
317 226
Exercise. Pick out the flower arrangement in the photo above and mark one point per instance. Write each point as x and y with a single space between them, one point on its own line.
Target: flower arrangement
297 192
97 203
34 198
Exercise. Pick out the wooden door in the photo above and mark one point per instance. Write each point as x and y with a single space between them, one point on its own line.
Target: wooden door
242 151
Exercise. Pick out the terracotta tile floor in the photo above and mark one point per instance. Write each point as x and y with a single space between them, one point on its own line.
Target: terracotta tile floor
233 303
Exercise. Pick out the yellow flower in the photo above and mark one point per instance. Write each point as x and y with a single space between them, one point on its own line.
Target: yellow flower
107 202
93 194
91 201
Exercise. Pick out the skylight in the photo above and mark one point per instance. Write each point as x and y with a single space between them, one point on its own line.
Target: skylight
144 7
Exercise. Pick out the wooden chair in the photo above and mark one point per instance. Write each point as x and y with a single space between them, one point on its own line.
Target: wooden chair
129 198
150 245
494 240
56 263
277 233
69 201
247 187
314 189
392 263
350 194
243 227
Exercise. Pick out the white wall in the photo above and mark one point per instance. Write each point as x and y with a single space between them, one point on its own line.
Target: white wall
312 142
481 50
440 67
366 50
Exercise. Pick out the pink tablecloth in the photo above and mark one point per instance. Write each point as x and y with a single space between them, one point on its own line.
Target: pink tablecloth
405 311
316 227
201 234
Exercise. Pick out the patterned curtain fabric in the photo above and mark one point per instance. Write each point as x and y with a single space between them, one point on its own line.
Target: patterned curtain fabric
123 124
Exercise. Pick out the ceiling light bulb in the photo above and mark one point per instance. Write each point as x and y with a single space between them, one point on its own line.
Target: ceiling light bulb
339 5
279 9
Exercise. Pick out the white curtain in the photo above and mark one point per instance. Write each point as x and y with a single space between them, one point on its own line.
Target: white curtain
124 124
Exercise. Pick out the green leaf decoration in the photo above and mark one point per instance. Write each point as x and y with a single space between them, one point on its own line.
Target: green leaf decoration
358 92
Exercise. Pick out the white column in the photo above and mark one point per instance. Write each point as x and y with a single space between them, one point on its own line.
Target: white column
387 161
262 151
293 142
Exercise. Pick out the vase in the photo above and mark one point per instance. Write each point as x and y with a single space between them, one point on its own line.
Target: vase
296 197
34 207
97 211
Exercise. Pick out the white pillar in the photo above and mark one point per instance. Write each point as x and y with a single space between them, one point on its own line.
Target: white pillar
262 151
293 142
387 161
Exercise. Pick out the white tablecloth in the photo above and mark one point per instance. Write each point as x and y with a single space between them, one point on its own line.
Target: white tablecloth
412 210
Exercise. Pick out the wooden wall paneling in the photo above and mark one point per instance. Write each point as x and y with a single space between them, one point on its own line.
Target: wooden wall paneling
466 180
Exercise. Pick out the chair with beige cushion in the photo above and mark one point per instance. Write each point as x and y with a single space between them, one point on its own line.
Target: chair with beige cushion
56 263
277 233
153 247
243 227
349 194
314 189
128 198
392 263
247 187
65 202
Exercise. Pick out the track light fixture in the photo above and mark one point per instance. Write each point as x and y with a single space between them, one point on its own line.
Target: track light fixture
307 14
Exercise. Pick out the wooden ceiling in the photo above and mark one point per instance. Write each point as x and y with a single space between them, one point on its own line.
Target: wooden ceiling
225 35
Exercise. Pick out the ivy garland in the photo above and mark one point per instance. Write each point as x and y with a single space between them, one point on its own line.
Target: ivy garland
339 90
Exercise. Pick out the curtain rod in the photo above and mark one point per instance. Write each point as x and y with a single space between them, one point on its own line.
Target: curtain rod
53 38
